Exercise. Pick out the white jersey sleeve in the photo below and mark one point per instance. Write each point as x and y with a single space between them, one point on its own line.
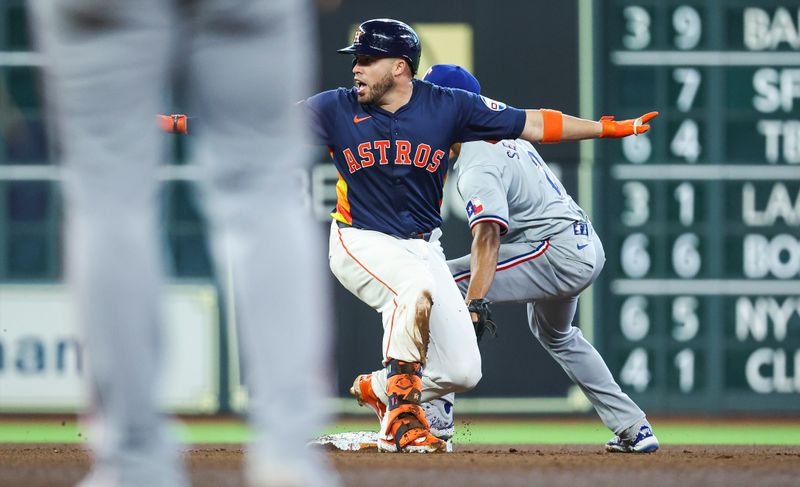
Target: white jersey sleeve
480 184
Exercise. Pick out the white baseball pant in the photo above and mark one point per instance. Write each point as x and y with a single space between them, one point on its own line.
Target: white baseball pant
392 275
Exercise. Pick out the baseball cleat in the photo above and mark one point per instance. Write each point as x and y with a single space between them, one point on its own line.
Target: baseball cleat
412 438
406 430
645 442
425 443
365 395
439 414
404 427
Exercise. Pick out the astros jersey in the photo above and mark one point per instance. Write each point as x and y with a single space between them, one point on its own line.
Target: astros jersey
509 183
392 166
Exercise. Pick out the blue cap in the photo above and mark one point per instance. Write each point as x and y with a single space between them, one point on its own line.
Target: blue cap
452 76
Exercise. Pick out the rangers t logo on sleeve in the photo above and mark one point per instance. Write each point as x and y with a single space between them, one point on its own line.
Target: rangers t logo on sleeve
474 207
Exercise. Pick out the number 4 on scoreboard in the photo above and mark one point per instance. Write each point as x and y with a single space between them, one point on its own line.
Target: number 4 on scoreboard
635 372
686 143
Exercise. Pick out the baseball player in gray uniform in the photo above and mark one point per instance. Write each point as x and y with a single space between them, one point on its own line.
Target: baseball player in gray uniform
109 62
532 243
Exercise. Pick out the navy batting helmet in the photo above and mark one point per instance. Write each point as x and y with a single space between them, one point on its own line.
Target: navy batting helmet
386 38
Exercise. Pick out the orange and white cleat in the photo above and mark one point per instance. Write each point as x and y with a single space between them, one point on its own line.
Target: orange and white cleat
406 430
365 395
404 427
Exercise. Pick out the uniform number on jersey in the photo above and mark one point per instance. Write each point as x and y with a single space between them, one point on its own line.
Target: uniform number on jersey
493 104
538 162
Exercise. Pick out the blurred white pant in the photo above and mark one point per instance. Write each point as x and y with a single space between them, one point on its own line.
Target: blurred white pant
246 63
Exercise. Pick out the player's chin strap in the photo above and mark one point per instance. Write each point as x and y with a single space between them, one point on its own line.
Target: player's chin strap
484 317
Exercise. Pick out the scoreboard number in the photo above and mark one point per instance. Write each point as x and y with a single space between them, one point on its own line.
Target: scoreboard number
690 80
637 20
686 259
634 321
635 371
686 143
688 27
637 204
684 194
635 258
684 362
637 149
684 315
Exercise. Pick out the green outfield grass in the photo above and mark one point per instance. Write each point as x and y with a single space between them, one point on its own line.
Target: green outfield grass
538 431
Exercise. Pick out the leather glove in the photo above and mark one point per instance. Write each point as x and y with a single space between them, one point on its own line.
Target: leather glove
624 128
484 317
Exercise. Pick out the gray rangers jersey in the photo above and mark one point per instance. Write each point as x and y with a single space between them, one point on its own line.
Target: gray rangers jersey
510 178
549 254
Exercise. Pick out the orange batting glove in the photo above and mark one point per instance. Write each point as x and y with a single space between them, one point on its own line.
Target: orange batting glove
173 124
624 128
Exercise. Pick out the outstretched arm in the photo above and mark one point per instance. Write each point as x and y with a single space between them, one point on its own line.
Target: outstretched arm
551 126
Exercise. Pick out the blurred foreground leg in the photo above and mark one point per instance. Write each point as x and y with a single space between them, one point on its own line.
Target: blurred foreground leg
250 63
106 67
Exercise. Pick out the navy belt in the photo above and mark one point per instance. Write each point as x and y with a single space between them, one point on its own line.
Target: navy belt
426 236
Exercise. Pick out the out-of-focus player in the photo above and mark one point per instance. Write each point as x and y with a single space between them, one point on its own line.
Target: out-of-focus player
532 243
109 62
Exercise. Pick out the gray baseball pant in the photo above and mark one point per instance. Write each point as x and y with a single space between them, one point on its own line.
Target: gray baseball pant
550 281
246 63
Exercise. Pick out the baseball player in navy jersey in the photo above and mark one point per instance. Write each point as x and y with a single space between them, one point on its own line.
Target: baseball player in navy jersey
389 137
532 243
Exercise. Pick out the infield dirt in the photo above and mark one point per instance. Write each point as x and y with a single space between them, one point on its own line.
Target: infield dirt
55 465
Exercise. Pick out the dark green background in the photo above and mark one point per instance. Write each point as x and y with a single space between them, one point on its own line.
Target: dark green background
726 117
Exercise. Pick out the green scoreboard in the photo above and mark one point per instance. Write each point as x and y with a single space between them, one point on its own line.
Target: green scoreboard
699 308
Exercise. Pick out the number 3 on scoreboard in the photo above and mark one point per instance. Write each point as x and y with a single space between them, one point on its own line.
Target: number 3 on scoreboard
637 20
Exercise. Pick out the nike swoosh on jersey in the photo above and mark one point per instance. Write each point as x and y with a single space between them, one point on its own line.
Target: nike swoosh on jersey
357 119
582 246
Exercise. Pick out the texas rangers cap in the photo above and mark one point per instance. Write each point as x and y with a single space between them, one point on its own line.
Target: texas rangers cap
452 76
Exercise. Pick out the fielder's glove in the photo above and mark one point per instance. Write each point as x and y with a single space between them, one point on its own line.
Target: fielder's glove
484 317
